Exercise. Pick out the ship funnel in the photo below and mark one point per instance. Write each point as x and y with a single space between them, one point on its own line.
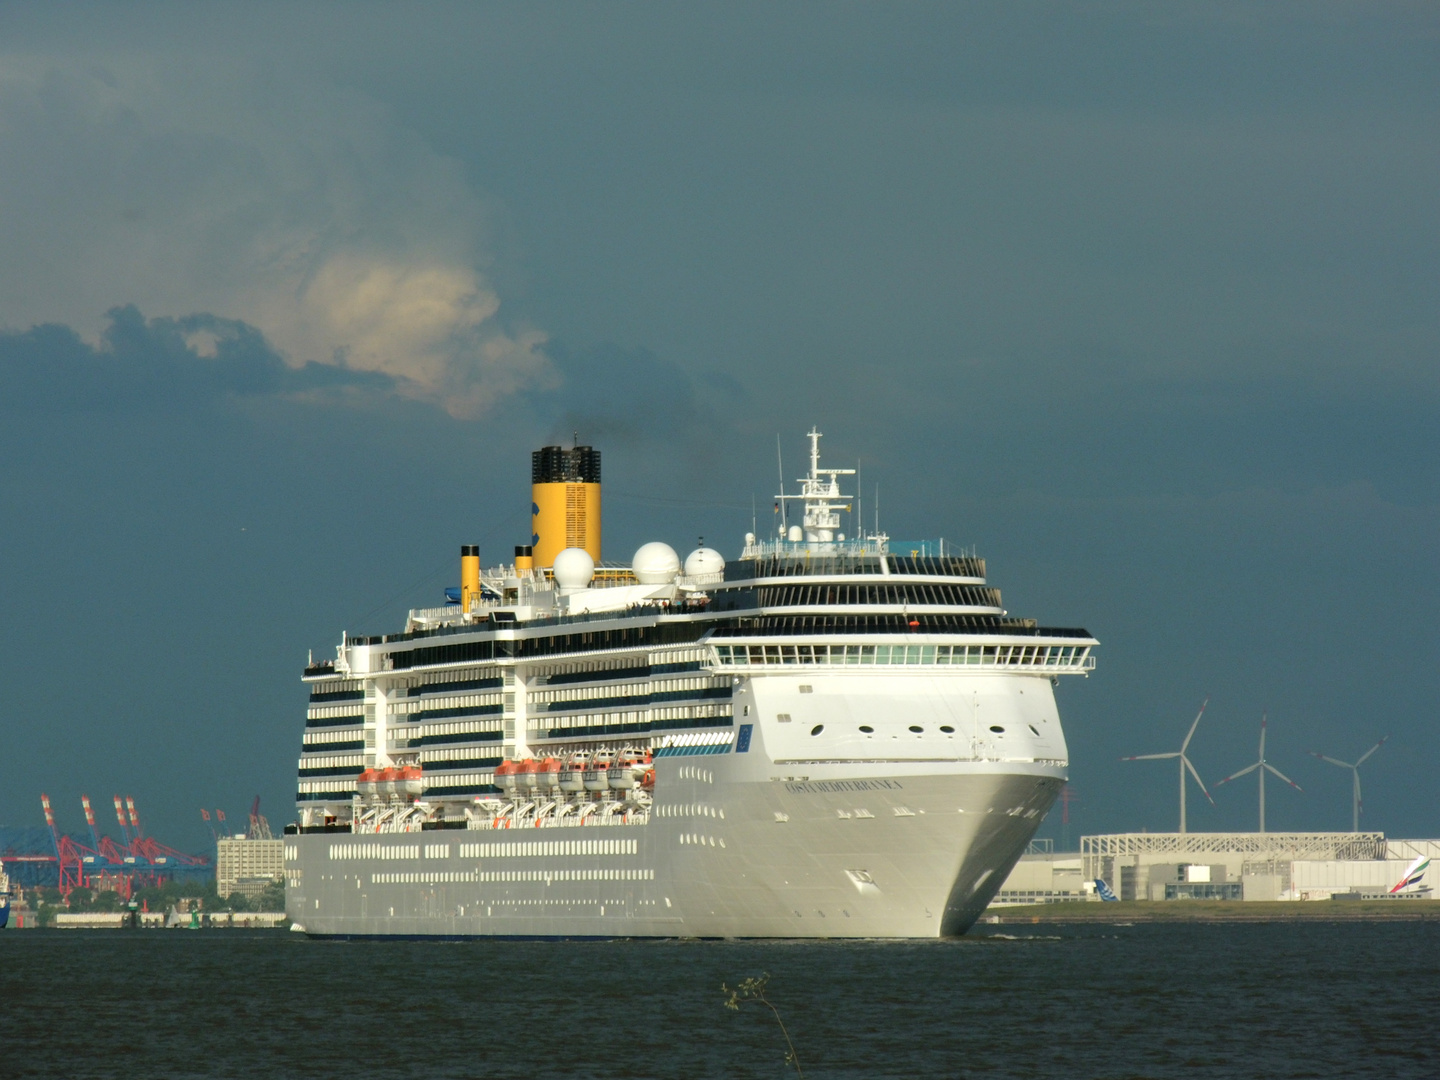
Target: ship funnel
469 575
565 502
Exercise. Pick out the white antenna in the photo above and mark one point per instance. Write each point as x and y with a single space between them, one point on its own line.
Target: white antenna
1184 763
1357 804
780 463
1263 766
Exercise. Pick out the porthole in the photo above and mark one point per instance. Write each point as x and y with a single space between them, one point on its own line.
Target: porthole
817 729
916 728
947 729
997 729
867 729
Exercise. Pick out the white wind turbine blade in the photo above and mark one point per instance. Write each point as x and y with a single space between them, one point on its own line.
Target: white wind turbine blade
1282 776
1262 736
1359 802
1196 723
1149 757
1370 751
1335 761
1242 772
1196 775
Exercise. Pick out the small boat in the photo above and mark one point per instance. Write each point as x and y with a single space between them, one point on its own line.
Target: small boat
627 769
506 778
597 776
368 786
547 778
572 777
411 782
389 783
527 776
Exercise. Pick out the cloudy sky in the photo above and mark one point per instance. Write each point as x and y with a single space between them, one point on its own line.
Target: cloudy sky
1140 300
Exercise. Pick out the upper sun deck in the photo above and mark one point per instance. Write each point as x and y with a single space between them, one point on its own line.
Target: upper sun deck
810 578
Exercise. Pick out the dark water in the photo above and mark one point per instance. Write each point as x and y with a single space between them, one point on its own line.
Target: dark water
1354 1000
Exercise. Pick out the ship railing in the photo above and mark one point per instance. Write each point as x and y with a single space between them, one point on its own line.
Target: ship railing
802 549
1054 659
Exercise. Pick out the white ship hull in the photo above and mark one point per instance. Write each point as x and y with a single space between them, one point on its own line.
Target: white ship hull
800 859
752 843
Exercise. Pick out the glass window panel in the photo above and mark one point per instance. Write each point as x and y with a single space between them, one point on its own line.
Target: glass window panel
787 654
942 654
912 654
867 654
927 654
772 654
989 654
852 654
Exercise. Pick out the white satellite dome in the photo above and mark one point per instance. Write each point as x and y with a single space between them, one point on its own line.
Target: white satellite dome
655 563
704 561
573 569
796 534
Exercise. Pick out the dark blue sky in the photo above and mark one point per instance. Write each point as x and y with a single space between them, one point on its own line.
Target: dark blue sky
1139 301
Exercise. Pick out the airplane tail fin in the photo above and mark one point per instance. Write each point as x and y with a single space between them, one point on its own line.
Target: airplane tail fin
1413 873
1106 893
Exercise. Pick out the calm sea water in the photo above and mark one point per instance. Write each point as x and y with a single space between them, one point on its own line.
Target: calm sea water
1352 1000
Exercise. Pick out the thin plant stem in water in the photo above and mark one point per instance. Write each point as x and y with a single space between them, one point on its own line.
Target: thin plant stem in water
753 989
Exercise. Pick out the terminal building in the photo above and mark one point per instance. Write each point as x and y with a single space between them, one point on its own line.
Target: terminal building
1219 866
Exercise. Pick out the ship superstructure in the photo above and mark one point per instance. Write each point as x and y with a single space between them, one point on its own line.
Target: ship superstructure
826 737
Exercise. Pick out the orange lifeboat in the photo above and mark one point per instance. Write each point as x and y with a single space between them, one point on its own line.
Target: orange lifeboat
505 776
547 778
368 784
648 780
388 781
411 782
527 776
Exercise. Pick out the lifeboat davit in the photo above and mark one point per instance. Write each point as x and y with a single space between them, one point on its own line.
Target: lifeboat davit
572 777
412 782
527 776
368 784
597 776
505 776
547 778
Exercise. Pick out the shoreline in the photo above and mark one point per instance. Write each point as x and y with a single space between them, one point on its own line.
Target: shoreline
1230 911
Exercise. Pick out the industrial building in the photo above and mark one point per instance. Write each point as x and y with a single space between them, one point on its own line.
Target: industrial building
1218 866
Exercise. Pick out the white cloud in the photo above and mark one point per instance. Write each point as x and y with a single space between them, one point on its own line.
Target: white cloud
302 209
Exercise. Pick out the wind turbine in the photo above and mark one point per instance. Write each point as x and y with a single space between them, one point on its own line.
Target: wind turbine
1263 766
1184 763
1355 772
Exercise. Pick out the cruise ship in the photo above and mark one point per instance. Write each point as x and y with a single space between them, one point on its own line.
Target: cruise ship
828 736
